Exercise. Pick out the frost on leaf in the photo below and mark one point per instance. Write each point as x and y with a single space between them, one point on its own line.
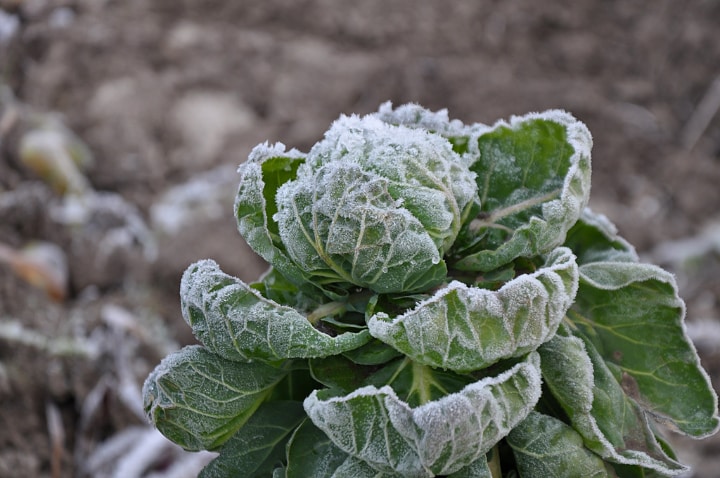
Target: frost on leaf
237 323
438 438
465 328
375 205
611 424
533 178
415 116
424 174
595 239
266 169
198 399
635 319
343 226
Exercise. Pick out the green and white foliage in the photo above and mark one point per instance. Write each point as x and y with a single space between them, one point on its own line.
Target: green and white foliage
440 302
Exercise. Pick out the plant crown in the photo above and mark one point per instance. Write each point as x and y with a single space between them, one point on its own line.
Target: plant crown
440 302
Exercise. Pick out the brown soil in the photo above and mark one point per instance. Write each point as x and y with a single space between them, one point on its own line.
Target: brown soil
170 91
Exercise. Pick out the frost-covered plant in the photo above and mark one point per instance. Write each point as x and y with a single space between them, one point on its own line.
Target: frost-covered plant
440 302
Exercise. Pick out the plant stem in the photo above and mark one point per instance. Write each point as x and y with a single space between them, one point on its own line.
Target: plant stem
326 310
494 463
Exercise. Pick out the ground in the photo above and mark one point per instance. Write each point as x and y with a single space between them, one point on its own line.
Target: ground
170 96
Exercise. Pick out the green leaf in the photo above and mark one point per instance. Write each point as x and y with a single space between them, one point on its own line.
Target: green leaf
267 168
277 288
236 322
533 178
342 225
372 353
545 447
633 316
417 384
340 373
311 453
465 328
256 449
595 239
423 172
477 469
438 438
611 424
199 400
296 385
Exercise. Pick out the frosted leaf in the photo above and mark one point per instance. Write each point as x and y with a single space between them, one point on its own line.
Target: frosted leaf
238 323
266 169
465 328
533 177
414 115
198 399
595 239
437 438
635 319
260 444
610 423
342 225
545 447
422 170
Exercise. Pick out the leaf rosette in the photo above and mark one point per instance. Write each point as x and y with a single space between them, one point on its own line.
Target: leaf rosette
440 303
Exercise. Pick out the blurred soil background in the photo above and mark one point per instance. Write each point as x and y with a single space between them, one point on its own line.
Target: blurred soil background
122 124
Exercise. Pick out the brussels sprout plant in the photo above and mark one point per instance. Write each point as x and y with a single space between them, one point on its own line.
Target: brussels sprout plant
440 302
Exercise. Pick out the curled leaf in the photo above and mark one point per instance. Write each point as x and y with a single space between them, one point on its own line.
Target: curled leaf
533 178
266 169
635 319
545 447
438 438
375 205
259 445
465 328
198 399
594 238
236 322
611 424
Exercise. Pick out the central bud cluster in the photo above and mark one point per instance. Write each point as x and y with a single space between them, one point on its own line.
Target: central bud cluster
376 205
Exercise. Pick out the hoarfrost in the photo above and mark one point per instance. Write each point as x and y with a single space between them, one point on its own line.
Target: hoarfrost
466 328
421 167
265 150
414 115
343 221
436 438
561 199
238 323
